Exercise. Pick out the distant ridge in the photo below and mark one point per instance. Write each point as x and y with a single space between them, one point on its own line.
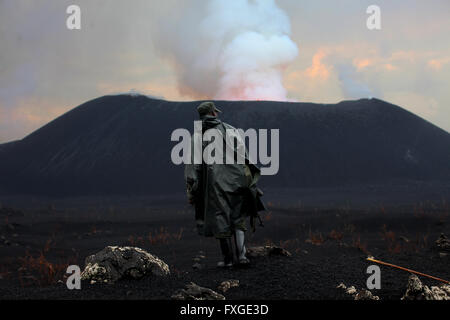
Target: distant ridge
121 145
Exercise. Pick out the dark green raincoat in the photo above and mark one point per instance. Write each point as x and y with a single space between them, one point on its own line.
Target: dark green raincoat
224 195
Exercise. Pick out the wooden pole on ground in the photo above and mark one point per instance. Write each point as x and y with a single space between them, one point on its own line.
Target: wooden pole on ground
407 270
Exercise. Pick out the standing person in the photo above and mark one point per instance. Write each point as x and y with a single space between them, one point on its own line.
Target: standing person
224 194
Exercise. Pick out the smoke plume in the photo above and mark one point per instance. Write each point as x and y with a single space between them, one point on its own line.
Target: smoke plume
229 49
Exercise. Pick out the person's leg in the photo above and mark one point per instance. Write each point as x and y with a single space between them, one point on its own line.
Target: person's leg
227 252
240 247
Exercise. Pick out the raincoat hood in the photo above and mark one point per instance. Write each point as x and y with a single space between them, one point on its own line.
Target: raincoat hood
209 122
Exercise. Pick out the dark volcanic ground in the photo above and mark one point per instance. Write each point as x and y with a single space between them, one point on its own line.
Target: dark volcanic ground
329 245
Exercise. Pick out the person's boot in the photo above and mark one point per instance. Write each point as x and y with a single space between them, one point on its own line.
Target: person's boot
240 247
227 253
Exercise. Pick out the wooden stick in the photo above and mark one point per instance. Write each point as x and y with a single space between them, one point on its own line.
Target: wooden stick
408 270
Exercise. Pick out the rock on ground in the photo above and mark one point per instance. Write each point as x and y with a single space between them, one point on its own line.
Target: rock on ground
195 292
198 266
115 263
443 243
264 251
228 284
362 294
415 290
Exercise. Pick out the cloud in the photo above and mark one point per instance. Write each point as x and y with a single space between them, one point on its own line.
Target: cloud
361 63
234 50
438 63
27 115
318 69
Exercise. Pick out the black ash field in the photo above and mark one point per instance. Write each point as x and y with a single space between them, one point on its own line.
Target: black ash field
329 242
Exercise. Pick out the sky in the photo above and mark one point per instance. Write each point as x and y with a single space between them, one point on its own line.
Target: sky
184 50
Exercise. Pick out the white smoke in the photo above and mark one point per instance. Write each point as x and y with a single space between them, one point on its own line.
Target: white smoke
230 49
